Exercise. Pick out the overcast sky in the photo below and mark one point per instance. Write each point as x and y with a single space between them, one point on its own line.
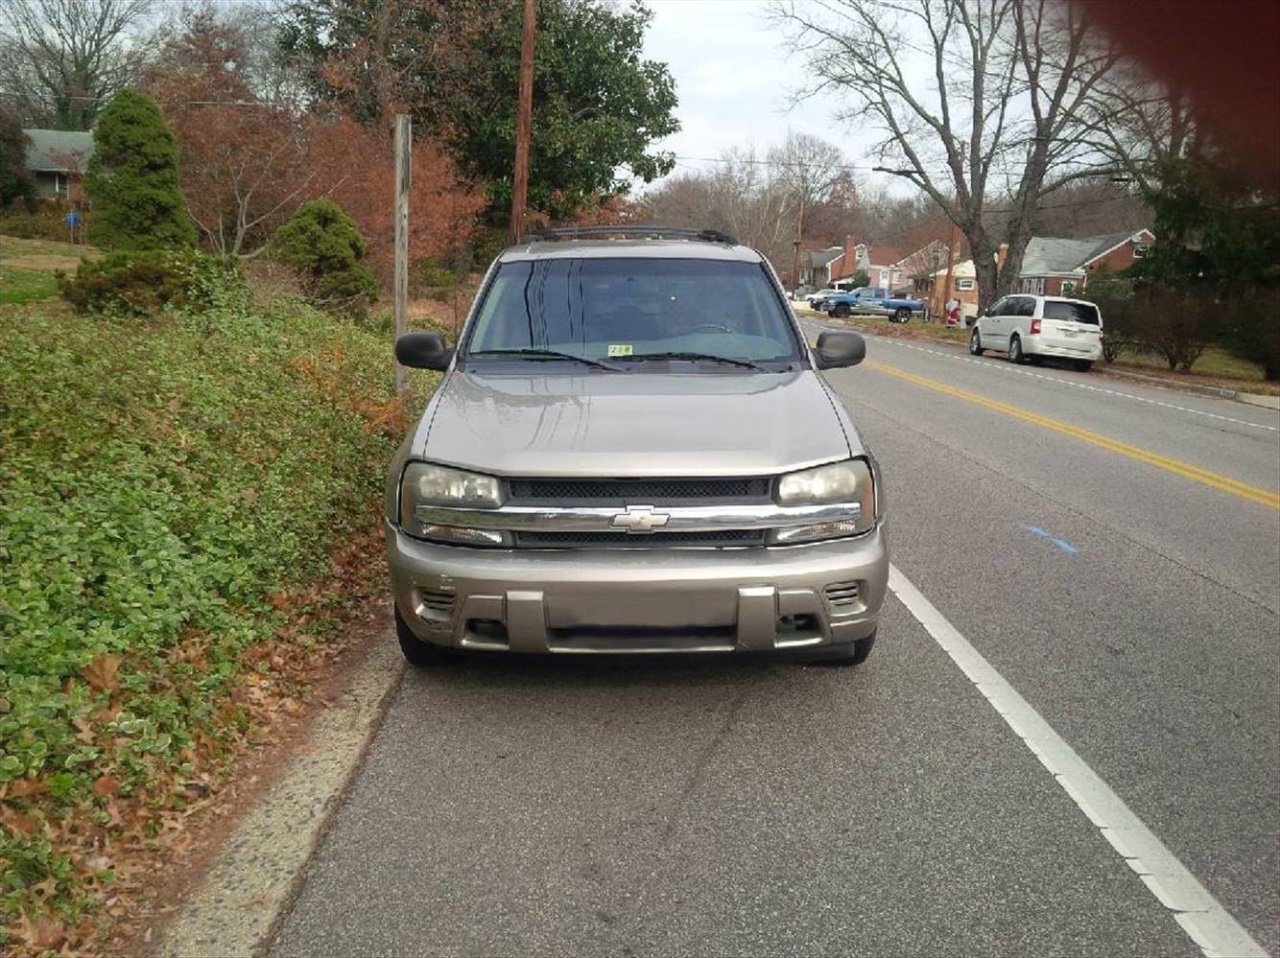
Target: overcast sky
733 77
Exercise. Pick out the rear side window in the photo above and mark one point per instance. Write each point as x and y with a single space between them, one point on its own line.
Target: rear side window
1078 312
1024 306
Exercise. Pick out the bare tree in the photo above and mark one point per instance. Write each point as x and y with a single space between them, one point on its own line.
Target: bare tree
64 59
970 99
808 168
1141 123
753 200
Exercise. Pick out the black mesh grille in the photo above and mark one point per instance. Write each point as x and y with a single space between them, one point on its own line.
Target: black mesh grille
646 491
658 540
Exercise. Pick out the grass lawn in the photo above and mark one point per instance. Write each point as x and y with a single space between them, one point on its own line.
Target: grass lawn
26 285
1215 362
27 268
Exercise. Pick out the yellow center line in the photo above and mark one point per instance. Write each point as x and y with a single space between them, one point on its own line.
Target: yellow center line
1213 479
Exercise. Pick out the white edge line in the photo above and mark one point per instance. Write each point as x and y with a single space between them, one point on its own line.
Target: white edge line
1204 920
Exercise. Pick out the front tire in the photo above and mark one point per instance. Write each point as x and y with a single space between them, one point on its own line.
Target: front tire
841 310
1016 354
420 654
975 344
902 315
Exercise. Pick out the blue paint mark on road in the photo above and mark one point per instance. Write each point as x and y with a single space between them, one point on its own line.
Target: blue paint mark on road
1062 544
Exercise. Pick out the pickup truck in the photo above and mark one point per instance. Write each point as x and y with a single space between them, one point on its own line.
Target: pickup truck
872 301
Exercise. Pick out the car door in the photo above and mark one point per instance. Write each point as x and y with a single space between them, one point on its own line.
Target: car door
992 325
1020 311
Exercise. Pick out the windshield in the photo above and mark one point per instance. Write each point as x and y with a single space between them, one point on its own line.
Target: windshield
1077 312
615 309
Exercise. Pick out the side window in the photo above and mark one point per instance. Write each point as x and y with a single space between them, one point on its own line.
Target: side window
1026 306
999 308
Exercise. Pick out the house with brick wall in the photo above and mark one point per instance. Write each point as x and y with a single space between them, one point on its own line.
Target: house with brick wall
1053 266
882 264
819 267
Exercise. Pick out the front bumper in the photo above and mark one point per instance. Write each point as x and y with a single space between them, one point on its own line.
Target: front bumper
640 600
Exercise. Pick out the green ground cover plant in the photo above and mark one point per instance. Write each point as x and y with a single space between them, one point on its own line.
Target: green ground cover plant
170 491
25 285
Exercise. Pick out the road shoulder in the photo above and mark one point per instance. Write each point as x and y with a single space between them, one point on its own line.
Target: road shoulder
254 873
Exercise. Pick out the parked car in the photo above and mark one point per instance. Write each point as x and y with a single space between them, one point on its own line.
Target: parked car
818 298
640 455
1029 328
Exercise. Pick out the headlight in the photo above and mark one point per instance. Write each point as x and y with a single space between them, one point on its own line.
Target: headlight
839 482
850 482
425 486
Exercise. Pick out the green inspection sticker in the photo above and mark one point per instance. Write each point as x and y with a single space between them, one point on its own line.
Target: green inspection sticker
620 349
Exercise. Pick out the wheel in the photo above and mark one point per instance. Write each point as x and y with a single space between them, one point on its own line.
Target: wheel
975 344
841 310
419 653
1084 365
902 315
1015 351
851 653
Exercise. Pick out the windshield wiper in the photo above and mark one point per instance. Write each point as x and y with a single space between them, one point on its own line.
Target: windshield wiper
698 357
529 352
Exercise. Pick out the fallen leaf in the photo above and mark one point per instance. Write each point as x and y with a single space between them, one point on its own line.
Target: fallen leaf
106 786
26 788
101 673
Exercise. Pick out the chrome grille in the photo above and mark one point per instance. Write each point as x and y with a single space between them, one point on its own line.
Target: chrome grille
658 540
648 491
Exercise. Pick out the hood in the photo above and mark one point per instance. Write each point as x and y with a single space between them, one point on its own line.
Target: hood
632 424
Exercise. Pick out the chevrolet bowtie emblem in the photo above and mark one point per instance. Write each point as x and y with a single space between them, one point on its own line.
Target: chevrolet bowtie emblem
638 520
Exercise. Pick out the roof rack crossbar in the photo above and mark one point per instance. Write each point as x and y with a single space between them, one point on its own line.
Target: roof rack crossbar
650 232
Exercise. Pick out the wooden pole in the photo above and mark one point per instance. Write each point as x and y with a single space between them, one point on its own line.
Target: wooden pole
795 259
404 175
524 124
951 259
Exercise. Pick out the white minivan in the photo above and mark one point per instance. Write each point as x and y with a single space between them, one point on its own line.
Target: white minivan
1028 327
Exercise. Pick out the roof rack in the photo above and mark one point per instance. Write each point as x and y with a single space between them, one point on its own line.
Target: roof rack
646 232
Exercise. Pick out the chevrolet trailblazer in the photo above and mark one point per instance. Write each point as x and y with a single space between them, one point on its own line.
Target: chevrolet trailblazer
631 450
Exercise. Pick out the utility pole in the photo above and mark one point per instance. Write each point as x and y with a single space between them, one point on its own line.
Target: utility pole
524 123
795 259
951 259
404 174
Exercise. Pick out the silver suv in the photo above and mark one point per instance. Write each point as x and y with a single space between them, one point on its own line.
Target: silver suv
631 451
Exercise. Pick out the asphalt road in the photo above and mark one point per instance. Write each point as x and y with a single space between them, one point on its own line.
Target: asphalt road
1112 551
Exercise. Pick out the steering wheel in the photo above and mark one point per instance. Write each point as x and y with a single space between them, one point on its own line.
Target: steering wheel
715 326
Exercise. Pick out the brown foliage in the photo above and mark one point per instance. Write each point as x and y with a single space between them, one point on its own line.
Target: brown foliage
248 165
355 166
241 159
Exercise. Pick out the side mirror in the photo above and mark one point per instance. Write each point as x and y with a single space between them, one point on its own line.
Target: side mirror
838 348
423 351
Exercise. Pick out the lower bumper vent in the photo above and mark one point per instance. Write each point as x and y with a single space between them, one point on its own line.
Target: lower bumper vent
841 595
440 604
